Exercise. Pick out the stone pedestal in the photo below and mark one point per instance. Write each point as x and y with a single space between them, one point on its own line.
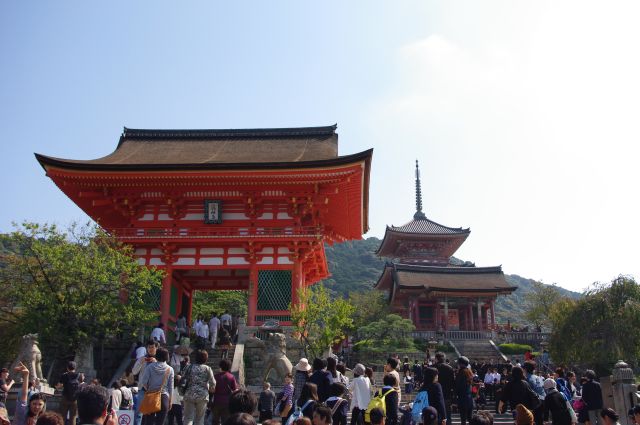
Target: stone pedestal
85 364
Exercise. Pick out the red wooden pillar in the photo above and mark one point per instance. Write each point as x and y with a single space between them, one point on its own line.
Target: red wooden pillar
471 324
190 309
253 295
296 282
165 297
493 313
180 286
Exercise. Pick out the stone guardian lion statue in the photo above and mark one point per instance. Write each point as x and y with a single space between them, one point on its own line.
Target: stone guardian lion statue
276 351
31 356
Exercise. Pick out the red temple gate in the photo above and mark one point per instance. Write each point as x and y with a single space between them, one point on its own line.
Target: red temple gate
225 209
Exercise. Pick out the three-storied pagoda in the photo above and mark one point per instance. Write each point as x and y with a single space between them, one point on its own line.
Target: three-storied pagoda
225 209
425 286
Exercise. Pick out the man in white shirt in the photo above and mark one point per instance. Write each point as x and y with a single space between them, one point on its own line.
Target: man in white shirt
202 334
158 334
360 388
214 325
491 379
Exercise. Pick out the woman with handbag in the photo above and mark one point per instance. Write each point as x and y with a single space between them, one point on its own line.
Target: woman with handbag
197 383
157 381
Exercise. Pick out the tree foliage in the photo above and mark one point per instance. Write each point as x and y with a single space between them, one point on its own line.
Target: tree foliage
369 306
600 328
74 286
388 334
321 321
206 303
539 303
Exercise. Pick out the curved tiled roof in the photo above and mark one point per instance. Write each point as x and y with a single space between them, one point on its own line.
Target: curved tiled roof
427 226
205 148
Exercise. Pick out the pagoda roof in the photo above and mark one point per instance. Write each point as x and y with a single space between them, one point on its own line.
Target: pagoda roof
265 148
399 277
425 226
421 230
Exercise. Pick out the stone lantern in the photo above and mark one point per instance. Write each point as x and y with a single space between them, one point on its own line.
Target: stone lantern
624 390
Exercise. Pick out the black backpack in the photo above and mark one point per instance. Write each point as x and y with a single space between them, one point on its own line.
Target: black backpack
532 400
70 390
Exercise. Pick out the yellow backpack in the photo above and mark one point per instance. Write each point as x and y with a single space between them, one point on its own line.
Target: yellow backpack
377 402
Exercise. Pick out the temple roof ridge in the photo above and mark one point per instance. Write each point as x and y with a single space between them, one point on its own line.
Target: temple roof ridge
445 269
212 134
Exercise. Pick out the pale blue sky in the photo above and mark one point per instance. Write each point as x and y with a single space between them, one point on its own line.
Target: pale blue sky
524 115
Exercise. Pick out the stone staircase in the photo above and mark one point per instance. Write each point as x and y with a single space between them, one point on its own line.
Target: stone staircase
479 350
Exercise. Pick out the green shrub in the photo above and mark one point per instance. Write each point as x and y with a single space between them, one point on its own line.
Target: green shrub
514 348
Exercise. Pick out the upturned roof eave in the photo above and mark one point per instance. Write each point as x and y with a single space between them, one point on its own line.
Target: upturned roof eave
48 161
390 234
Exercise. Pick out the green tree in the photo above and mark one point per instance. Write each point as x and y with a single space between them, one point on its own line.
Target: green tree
539 303
370 306
207 302
73 287
391 333
600 328
320 321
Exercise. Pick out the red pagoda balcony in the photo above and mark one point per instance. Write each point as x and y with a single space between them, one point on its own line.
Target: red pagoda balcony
152 234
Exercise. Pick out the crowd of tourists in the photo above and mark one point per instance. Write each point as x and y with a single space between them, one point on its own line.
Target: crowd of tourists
163 388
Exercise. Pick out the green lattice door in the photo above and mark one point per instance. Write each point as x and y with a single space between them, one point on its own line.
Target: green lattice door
274 292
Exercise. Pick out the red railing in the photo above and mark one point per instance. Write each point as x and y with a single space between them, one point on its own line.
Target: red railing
215 232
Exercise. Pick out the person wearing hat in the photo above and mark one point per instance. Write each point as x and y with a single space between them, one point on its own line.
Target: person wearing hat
462 389
556 404
70 384
609 416
360 388
523 415
429 416
300 378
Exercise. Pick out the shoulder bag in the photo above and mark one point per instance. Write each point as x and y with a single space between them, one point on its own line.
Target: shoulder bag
152 400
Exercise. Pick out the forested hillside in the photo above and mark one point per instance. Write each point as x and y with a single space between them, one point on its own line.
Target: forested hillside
355 267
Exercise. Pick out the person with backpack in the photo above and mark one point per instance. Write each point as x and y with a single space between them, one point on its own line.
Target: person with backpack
306 403
69 383
518 391
338 404
435 397
556 404
387 399
127 395
561 384
360 387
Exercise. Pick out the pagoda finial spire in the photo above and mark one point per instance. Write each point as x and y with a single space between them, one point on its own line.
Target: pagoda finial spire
419 215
